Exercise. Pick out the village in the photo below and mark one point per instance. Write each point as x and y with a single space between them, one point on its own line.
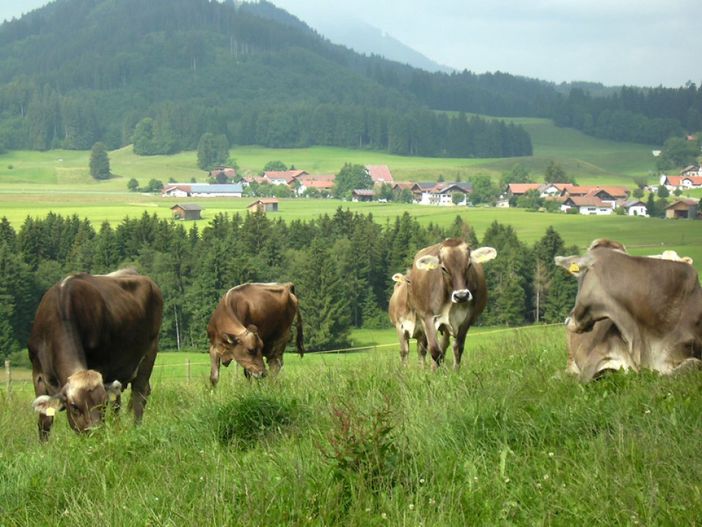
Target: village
564 197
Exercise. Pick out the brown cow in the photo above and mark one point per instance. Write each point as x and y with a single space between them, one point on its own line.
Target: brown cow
449 292
633 312
253 321
404 318
93 335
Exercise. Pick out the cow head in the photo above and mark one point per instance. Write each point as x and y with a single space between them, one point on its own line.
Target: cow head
84 397
455 259
246 348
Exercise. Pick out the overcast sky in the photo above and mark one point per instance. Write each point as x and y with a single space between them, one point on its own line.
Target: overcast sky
634 42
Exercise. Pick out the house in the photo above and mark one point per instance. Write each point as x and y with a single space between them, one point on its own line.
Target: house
634 208
686 181
588 205
515 190
380 174
684 208
282 177
442 193
421 192
362 194
322 182
264 205
186 211
221 171
691 170
203 190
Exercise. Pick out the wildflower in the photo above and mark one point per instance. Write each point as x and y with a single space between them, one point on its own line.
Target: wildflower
506 480
550 454
545 477
411 506
384 516
421 481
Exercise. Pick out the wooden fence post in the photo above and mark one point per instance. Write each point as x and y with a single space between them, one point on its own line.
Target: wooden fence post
8 374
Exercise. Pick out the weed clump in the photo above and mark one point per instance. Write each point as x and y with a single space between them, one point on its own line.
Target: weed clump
250 418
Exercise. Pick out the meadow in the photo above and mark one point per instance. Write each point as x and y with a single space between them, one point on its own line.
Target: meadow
356 439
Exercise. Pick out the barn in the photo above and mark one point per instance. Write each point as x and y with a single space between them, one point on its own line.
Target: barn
186 211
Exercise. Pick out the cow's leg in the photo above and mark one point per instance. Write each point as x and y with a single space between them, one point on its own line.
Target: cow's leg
403 337
214 366
422 349
458 346
437 352
275 361
140 384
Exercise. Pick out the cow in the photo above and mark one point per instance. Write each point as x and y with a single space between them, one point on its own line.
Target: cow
448 293
404 318
92 336
633 312
250 322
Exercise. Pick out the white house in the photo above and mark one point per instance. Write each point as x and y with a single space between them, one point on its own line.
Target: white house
588 205
635 208
442 193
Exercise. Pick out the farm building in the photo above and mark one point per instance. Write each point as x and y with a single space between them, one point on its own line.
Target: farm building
683 182
264 205
222 173
362 194
683 209
187 211
324 183
203 190
380 174
442 193
283 177
589 205
634 208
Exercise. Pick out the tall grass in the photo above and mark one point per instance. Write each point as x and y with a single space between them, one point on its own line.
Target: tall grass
507 440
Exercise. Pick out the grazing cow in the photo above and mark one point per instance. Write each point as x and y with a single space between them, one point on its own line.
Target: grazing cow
253 321
93 335
404 318
448 293
633 312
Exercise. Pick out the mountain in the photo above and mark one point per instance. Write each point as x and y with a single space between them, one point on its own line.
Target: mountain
369 40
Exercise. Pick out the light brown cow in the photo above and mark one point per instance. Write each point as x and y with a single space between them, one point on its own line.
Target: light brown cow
633 312
449 293
253 321
93 335
404 318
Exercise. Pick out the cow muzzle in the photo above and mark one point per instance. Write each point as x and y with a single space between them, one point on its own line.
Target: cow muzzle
459 296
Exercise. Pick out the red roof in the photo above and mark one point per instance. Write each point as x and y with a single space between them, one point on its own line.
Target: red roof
379 173
316 177
288 175
313 183
588 201
522 188
615 192
677 181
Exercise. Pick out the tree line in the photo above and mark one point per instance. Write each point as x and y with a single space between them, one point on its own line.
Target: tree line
341 266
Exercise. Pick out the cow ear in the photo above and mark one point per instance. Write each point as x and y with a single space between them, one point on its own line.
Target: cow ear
114 389
252 329
230 339
483 254
48 405
575 265
399 278
427 263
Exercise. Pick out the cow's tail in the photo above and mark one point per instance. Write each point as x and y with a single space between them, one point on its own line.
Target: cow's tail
299 339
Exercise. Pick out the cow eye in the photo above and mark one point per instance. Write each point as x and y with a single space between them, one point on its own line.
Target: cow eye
443 268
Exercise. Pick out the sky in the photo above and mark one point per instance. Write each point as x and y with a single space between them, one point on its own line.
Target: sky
615 42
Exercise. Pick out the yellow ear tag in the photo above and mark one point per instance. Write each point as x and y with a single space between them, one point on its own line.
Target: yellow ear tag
50 412
574 268
431 265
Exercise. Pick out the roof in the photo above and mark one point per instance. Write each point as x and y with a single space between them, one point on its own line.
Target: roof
424 186
316 177
288 175
379 173
615 192
684 201
313 183
364 192
442 188
205 188
187 206
522 188
401 185
263 201
677 181
587 201
634 203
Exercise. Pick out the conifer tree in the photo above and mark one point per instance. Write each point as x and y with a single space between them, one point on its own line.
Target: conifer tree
99 162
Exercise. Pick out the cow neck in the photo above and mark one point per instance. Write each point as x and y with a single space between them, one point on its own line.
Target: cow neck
71 359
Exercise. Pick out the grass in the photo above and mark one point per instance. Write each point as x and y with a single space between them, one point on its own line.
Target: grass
507 440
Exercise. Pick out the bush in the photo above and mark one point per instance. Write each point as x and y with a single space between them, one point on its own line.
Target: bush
245 421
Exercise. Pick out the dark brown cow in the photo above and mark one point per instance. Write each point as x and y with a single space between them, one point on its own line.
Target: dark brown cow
449 292
93 335
253 321
652 308
404 318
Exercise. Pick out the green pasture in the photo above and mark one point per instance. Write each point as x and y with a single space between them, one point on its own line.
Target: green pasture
358 440
590 160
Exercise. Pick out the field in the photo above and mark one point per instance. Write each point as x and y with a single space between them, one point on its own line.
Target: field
356 439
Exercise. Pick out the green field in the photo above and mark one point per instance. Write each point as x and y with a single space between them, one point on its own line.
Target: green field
358 440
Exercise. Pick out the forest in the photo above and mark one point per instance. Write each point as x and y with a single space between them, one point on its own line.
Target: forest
76 72
341 266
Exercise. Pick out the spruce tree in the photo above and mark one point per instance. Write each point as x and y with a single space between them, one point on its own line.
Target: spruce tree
99 162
